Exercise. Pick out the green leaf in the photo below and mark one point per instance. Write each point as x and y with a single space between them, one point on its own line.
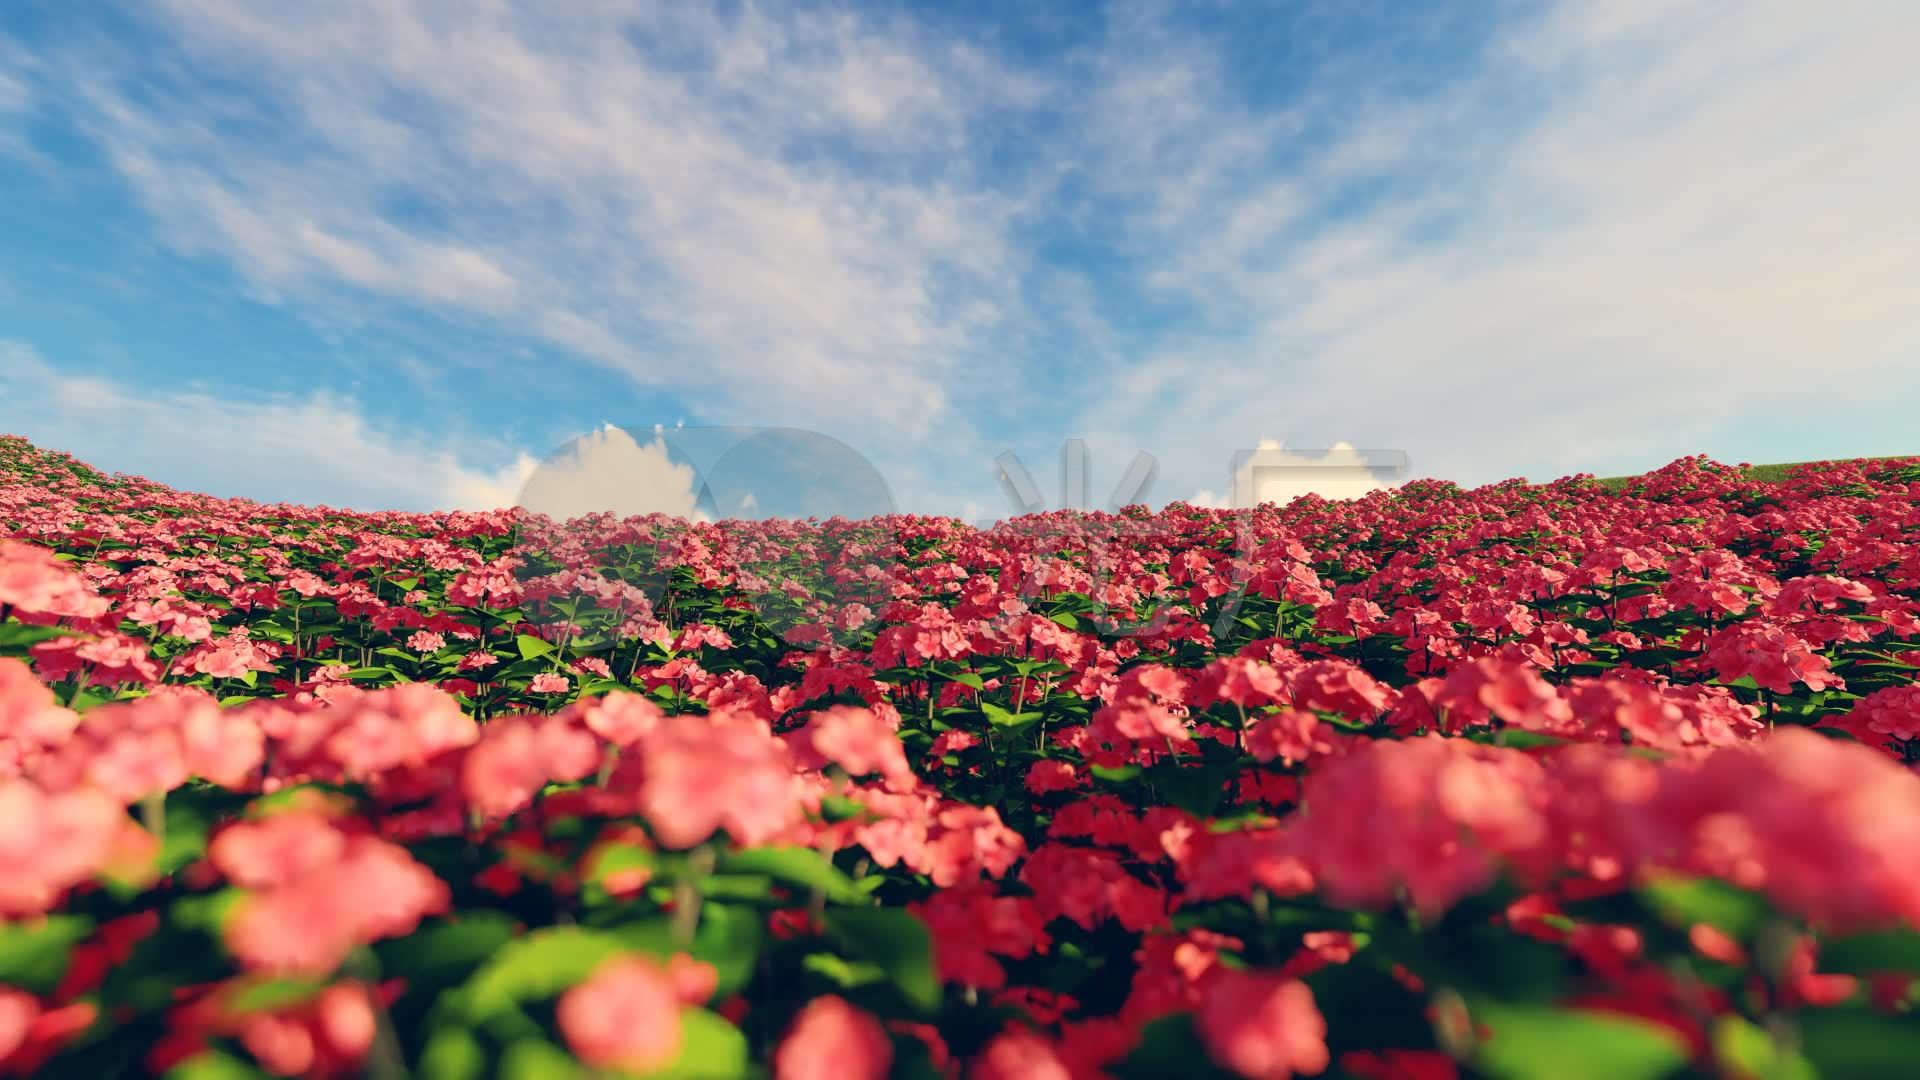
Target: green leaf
897 942
214 1065
447 953
1745 1050
186 839
1522 739
1366 1008
35 957
1170 1047
1197 789
710 1049
729 937
1529 1042
207 913
1866 954
838 808
843 973
538 1059
453 1053
1008 721
274 994
1682 902
1859 1044
17 636
531 647
538 966
800 866
1065 620
610 860
968 678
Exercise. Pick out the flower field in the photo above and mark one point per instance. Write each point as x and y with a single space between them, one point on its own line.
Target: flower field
1552 781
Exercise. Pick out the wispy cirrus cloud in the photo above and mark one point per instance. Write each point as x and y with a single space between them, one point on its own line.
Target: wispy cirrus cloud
1698 214
635 186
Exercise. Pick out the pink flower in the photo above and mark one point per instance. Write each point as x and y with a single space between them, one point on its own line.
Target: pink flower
1775 658
625 1016
832 1040
477 659
1262 1026
33 582
859 741
1017 1054
1290 735
31 721
548 682
517 756
53 842
383 730
18 1011
622 718
718 771
426 641
312 898
1435 815
1485 687
1891 713
1046 777
108 659
275 850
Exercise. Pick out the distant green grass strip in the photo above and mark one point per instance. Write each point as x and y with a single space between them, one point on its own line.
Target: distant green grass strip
1765 474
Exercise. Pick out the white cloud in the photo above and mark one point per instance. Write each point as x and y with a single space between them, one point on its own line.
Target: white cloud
607 471
13 93
636 186
1689 214
318 449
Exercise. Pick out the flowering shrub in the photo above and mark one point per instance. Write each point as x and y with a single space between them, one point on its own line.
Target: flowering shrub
1525 781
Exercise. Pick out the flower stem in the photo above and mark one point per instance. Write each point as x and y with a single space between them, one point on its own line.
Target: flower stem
686 895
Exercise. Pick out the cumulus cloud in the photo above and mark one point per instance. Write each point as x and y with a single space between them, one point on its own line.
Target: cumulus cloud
607 471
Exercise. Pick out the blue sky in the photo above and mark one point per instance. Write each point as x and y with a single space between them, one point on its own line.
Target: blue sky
385 254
